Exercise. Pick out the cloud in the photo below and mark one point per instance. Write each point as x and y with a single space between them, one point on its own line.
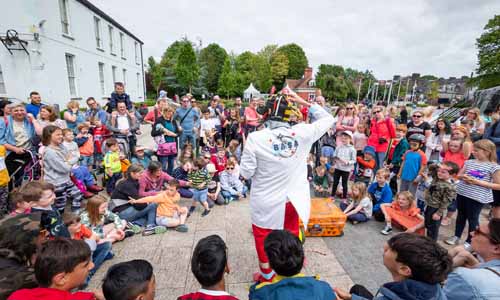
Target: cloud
388 37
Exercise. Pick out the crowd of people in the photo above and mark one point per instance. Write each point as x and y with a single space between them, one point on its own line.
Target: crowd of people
70 187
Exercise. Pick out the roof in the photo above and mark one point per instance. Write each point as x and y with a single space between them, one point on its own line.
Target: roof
106 17
251 90
302 83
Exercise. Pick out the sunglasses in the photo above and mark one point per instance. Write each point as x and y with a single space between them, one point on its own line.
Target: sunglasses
492 239
350 108
377 111
229 168
206 157
417 116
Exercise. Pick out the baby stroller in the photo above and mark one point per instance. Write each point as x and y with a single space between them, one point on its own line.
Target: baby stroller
31 171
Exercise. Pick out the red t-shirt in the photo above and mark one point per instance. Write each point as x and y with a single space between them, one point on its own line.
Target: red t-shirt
207 295
49 294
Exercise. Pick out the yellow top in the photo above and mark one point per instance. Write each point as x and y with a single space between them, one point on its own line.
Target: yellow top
4 174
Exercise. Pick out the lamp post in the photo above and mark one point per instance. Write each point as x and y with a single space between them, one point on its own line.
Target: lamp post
359 89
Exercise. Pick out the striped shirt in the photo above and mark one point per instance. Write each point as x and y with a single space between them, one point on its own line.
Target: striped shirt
198 177
482 171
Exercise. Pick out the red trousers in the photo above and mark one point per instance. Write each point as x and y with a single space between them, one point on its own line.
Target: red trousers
260 234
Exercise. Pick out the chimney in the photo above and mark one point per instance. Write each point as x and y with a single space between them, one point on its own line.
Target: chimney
308 72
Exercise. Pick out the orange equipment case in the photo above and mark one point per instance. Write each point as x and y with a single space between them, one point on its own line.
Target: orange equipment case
326 218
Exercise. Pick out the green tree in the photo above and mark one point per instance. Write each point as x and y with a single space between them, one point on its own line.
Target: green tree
267 52
433 92
227 80
156 73
252 68
297 60
333 84
211 61
279 68
169 62
488 70
186 69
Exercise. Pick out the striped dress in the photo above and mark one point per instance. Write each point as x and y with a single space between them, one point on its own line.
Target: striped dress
482 171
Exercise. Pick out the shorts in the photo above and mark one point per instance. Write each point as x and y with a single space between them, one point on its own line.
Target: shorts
200 195
86 160
167 221
98 157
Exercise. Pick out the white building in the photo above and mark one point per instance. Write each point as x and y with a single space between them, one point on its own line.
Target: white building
73 51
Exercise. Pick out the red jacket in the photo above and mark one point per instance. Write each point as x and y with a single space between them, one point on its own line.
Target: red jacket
220 164
381 129
49 294
100 134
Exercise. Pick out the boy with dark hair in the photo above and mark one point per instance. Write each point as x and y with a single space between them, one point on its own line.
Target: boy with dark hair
418 266
209 264
439 196
119 95
62 265
286 257
130 280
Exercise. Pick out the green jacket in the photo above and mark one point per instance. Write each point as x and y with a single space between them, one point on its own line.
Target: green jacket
440 194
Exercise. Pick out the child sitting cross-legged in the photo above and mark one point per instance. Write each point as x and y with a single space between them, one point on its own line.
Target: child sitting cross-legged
404 212
209 264
132 280
232 187
418 266
361 207
107 225
286 257
168 212
61 266
320 182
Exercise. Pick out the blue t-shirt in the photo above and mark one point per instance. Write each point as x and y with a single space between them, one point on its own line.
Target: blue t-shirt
413 160
190 121
33 109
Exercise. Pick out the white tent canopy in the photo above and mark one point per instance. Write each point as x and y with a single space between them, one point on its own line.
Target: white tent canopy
250 92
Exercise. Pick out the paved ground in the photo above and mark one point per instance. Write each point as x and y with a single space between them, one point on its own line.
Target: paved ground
354 257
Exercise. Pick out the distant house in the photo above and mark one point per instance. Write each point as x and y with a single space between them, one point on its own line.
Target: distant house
71 50
304 87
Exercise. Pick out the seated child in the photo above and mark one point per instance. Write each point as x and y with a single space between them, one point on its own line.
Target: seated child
365 165
71 146
286 257
168 212
214 195
181 173
200 179
21 206
61 266
380 192
361 207
232 187
219 160
209 264
404 212
107 225
413 277
142 156
41 196
130 280
101 251
320 182
85 142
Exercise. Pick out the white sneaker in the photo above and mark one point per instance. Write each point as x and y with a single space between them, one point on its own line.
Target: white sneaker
387 230
452 240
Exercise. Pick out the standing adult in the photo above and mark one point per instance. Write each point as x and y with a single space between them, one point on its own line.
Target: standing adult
252 118
95 110
216 114
35 104
16 134
165 130
124 125
382 130
479 177
348 122
493 134
418 125
239 106
189 120
73 116
157 111
472 279
274 159
232 127
473 116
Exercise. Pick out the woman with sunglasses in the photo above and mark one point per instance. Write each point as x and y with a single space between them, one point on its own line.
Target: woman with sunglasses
472 279
477 129
382 130
440 134
418 125
478 178
347 122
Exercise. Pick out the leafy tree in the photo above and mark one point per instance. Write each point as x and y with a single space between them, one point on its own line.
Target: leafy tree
169 62
279 68
244 68
268 51
297 60
428 77
211 61
227 80
488 43
433 92
186 69
156 73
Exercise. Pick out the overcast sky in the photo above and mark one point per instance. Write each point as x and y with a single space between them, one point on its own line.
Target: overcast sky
389 37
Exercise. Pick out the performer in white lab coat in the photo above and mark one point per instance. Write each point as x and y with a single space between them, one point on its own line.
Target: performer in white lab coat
275 159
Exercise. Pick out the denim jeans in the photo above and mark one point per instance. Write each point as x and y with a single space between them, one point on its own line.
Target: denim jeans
147 216
358 217
167 163
110 185
185 136
86 160
99 256
379 160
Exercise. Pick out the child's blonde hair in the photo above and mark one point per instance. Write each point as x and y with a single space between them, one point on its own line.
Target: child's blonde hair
384 172
361 187
487 146
408 196
93 208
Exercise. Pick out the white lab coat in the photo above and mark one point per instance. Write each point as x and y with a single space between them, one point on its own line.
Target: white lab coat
276 161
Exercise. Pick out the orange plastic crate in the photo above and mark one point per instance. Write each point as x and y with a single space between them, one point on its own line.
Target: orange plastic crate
326 218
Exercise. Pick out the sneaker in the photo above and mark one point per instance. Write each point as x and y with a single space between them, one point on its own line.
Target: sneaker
452 240
181 228
135 228
205 212
129 233
387 230
355 222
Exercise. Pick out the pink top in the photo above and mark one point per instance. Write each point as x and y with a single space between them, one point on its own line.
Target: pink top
346 123
457 157
250 114
359 140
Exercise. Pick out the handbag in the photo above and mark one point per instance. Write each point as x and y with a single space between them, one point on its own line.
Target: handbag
167 149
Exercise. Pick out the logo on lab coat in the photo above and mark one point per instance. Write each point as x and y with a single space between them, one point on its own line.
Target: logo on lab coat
284 146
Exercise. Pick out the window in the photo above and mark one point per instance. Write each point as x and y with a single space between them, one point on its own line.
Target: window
97 27
113 73
136 48
111 41
101 78
312 96
2 83
138 85
122 49
63 8
124 76
70 66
